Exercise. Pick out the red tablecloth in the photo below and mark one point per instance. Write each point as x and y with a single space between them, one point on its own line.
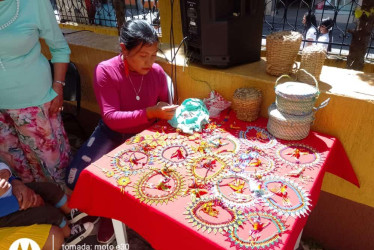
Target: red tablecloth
252 190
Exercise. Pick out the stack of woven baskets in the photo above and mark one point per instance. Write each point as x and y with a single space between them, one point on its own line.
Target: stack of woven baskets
246 102
291 116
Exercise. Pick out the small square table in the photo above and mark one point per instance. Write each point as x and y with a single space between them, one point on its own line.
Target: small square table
231 186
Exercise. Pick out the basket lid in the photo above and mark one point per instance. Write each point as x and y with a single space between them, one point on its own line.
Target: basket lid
296 90
275 113
247 93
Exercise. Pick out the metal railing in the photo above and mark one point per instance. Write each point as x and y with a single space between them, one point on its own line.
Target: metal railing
102 12
288 15
279 15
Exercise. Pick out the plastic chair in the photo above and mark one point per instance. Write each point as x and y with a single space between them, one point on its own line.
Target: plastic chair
72 89
72 92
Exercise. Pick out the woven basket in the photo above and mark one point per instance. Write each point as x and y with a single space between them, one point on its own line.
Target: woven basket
281 51
296 98
288 127
312 59
246 103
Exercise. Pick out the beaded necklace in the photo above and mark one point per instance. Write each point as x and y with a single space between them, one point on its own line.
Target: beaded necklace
5 25
137 92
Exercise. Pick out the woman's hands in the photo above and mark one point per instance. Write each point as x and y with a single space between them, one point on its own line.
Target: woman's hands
26 197
161 111
56 103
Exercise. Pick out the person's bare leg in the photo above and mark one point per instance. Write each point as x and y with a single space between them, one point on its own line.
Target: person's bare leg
65 208
55 239
66 231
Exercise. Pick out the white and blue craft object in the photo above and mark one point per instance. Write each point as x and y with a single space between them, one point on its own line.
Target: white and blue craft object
190 116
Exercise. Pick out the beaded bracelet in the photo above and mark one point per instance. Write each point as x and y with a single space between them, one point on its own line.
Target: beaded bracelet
60 82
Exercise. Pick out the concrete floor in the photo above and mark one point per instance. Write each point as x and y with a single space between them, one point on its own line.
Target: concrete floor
135 242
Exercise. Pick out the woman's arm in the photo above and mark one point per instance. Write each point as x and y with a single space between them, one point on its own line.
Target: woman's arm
311 36
60 51
25 196
51 33
58 78
108 98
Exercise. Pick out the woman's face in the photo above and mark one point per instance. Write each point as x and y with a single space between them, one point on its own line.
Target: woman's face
304 20
141 58
323 29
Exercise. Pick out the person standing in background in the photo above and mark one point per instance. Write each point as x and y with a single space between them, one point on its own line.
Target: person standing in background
33 141
325 36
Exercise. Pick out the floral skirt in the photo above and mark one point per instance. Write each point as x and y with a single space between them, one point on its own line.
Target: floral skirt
34 144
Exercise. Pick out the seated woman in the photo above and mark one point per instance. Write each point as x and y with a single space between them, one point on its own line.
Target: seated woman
132 92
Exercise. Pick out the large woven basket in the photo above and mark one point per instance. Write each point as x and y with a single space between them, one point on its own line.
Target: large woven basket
281 51
288 127
296 98
312 59
246 102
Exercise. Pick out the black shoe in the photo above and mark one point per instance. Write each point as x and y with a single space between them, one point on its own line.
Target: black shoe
75 215
93 219
79 232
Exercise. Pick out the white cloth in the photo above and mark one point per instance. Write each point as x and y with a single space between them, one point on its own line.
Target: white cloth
323 38
9 192
311 35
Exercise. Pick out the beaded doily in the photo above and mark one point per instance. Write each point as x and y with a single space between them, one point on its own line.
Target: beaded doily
207 168
162 126
174 154
210 214
212 127
152 140
224 146
262 230
132 161
295 154
257 137
288 197
159 186
253 162
122 181
235 191
299 173
197 190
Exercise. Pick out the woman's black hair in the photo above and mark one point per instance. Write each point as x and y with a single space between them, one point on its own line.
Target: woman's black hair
135 32
310 20
328 23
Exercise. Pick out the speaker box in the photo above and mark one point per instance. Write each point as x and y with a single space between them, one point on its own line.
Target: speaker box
223 32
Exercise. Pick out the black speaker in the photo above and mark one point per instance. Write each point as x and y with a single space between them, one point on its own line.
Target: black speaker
223 32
